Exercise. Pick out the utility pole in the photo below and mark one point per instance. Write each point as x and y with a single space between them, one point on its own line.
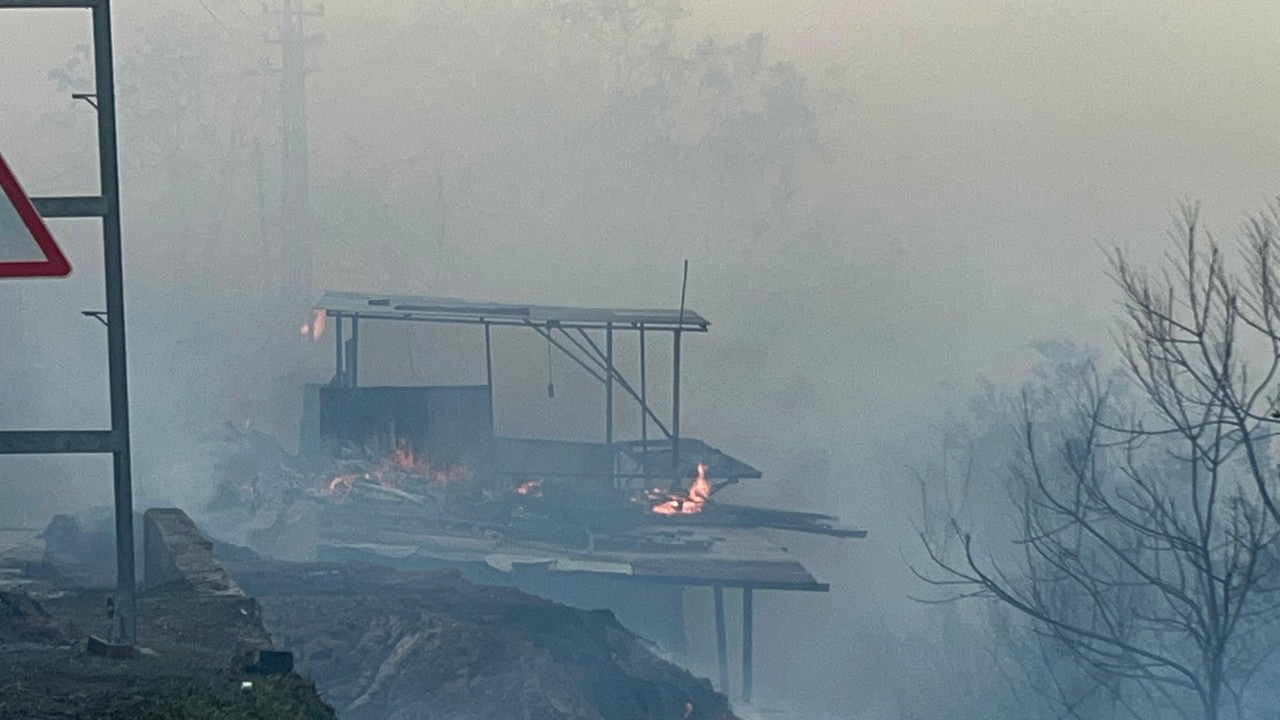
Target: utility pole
295 180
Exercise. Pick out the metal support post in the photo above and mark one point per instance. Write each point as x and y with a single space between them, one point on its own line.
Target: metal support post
488 370
354 360
644 395
675 408
675 380
339 371
722 644
746 644
108 171
608 384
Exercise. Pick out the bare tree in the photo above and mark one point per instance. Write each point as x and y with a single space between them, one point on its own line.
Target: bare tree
1194 333
1145 539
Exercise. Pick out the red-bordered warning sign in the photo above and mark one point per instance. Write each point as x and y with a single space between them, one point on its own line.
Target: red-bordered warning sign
27 249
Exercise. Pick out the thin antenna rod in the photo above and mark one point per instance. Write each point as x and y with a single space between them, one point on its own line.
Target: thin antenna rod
684 287
675 381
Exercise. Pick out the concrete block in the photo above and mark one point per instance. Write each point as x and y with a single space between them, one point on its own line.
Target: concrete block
177 556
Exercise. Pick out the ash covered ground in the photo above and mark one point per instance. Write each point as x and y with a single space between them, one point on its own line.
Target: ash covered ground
377 643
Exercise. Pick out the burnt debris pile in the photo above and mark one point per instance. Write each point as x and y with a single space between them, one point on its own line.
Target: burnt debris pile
394 494
431 645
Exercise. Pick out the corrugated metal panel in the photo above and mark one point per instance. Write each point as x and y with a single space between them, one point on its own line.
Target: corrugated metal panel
655 457
440 309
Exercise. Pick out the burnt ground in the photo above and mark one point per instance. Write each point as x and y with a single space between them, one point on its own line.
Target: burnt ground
190 667
432 646
377 643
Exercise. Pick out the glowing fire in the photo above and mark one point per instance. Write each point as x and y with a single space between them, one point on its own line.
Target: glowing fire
317 324
342 481
528 486
699 493
403 461
315 328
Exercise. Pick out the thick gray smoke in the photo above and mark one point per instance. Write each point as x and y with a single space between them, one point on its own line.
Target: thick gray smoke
880 202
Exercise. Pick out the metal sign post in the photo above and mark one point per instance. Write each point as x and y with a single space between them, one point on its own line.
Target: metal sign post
107 207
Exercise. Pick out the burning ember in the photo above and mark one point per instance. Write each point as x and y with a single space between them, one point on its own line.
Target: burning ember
527 487
688 504
402 464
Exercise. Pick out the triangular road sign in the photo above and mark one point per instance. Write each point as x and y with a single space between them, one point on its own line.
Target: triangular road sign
26 247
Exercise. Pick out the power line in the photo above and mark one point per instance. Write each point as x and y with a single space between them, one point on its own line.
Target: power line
215 17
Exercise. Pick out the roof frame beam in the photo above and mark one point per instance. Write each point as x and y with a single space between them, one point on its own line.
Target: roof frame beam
603 365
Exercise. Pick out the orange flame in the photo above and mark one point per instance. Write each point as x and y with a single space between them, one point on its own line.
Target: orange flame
403 455
404 461
315 328
342 481
317 324
529 486
690 503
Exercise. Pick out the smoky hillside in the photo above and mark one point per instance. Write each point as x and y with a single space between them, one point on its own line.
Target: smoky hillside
894 214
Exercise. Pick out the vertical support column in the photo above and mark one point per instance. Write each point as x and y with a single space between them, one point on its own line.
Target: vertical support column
675 381
488 369
747 642
108 173
675 407
644 395
608 383
339 370
354 369
722 644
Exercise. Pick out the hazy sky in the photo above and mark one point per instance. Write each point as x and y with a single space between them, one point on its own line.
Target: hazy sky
988 150
993 143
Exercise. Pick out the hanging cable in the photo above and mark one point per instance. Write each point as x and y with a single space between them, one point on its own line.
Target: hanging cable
551 386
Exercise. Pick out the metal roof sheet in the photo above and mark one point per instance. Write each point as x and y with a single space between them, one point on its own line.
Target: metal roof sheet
655 457
442 309
739 557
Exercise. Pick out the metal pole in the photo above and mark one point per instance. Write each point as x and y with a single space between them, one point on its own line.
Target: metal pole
675 380
722 644
108 172
644 395
746 644
608 384
675 407
488 370
339 373
355 350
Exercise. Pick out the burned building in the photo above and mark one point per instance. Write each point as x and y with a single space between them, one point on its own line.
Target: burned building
417 476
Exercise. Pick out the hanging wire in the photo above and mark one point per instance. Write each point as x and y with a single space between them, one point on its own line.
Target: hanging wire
551 386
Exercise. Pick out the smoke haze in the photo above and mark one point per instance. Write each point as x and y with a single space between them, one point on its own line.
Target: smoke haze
881 202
